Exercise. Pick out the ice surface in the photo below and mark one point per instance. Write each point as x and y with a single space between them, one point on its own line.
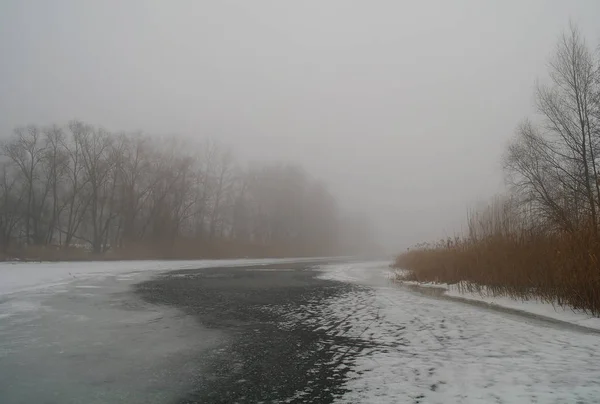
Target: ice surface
91 340
55 318
26 276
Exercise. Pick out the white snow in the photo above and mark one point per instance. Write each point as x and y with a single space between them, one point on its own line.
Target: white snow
375 272
28 276
413 349
537 307
444 286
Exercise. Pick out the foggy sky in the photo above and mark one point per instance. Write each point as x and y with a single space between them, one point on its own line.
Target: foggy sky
404 108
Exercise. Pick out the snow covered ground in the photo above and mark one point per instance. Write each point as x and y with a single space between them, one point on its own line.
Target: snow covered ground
536 307
425 350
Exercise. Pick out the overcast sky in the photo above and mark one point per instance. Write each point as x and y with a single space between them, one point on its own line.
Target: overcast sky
404 108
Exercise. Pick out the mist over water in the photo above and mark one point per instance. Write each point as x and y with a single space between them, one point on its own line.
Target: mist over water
402 109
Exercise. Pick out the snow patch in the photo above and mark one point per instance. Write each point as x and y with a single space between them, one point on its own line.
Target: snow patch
375 272
270 269
537 307
444 286
532 306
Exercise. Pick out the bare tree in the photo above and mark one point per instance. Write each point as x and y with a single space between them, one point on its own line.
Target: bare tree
11 198
554 166
55 166
27 152
222 181
99 168
74 201
136 184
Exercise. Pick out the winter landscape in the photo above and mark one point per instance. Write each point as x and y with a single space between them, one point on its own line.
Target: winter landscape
299 202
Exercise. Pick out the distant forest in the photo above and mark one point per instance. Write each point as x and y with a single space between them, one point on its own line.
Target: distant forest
77 190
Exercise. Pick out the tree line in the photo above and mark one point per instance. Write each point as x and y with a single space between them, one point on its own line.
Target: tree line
78 185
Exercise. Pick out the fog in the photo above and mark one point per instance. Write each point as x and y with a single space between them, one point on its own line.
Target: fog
403 108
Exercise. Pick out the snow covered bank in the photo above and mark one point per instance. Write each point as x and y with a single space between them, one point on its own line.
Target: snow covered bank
26 276
536 307
412 349
379 273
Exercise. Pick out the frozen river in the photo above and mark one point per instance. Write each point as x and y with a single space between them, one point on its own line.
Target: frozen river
271 331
